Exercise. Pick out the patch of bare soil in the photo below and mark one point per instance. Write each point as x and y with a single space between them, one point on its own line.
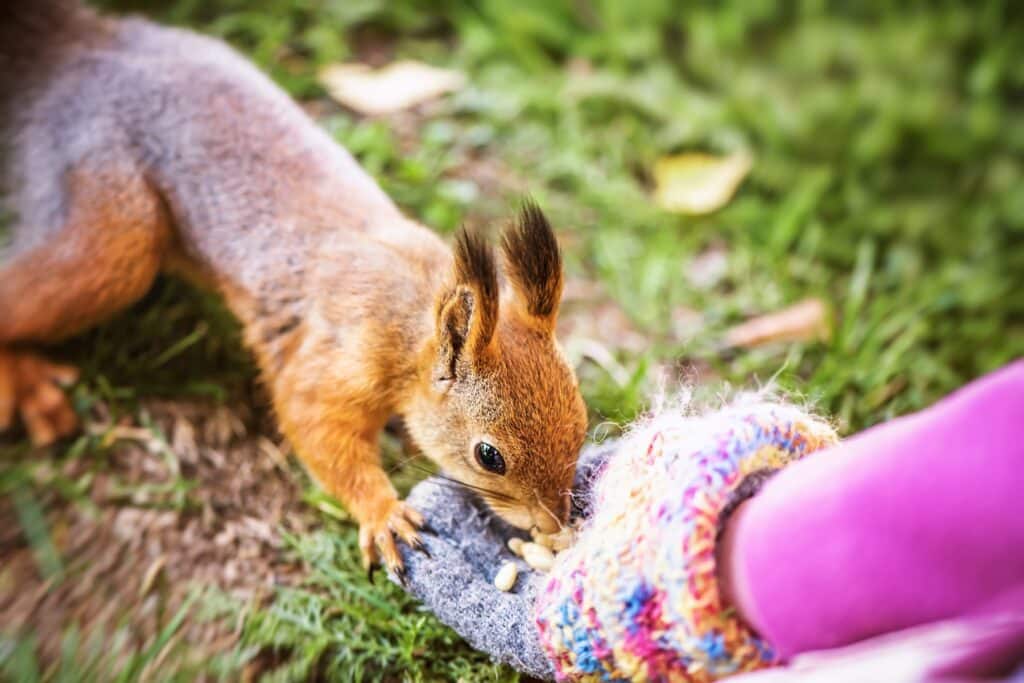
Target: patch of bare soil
142 539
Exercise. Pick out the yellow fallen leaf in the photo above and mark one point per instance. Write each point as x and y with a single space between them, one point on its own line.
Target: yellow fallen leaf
803 321
395 87
697 183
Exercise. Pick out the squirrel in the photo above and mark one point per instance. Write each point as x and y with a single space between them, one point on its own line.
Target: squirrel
132 149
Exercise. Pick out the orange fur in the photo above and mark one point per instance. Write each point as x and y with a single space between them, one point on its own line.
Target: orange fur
354 313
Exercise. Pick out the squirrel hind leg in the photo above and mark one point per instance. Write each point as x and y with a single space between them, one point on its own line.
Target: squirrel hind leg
101 260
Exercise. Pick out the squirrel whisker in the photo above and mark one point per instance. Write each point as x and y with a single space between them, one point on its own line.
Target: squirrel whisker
405 461
490 493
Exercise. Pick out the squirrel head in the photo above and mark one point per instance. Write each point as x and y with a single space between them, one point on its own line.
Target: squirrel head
504 415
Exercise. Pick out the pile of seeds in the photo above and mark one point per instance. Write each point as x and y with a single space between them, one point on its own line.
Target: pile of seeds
539 554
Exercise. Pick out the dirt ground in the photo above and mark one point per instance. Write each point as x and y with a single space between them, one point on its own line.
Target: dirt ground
133 552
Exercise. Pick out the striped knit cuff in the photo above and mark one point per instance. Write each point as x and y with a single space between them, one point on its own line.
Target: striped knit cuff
636 598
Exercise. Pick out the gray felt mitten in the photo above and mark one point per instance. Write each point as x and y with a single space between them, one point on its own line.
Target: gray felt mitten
467 547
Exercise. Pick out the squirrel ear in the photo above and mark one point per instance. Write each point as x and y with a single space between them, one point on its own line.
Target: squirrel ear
534 263
467 313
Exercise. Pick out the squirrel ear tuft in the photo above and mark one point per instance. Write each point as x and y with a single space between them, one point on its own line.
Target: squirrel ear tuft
468 313
534 262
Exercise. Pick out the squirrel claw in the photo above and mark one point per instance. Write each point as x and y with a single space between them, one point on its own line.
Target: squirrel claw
419 546
401 576
29 387
377 538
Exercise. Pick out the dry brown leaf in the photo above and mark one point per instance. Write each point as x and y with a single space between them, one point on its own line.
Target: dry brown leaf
803 321
697 183
393 88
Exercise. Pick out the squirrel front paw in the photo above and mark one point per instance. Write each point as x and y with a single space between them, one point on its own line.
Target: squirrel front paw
377 536
30 388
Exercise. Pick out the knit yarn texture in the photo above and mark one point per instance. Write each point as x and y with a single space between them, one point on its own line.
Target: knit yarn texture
636 597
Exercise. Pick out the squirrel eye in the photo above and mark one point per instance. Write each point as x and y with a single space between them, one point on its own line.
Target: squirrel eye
489 458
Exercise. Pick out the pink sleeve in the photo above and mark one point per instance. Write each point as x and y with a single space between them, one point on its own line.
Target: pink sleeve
910 522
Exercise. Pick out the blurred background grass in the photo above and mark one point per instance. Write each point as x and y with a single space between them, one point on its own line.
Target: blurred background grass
888 142
888 145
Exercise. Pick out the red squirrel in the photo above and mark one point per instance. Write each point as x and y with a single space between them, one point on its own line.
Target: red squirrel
132 149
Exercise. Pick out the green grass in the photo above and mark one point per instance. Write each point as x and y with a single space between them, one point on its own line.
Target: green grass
340 627
889 159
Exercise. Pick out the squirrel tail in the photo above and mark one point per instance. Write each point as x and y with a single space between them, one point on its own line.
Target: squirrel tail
34 33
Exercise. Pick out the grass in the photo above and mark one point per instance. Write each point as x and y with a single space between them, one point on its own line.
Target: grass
339 627
889 156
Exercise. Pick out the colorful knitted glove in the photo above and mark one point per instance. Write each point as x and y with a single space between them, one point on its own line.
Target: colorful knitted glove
636 596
